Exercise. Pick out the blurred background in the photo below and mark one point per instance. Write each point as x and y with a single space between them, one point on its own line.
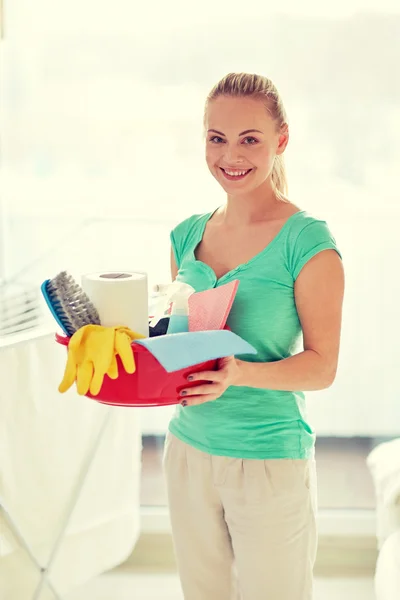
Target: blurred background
102 154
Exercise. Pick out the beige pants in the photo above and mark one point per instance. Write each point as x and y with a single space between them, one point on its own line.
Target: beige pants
241 528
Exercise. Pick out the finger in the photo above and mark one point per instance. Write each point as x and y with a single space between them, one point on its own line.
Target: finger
133 335
83 378
206 376
196 400
68 377
113 369
225 360
69 373
76 339
124 350
202 390
104 354
97 381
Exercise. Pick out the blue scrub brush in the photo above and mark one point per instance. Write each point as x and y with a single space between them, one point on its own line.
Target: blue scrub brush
69 304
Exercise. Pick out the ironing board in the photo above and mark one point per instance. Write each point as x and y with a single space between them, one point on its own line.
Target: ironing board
49 565
44 569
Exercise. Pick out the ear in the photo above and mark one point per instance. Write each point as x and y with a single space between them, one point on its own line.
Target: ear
283 139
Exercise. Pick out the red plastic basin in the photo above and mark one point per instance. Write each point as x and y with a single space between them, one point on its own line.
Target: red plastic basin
150 385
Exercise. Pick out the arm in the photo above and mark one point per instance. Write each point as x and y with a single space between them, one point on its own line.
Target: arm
319 291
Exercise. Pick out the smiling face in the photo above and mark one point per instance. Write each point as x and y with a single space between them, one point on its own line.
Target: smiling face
242 142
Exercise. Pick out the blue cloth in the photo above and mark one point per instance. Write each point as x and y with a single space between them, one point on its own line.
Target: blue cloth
181 350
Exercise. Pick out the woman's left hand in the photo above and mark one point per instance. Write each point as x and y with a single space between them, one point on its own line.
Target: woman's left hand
218 381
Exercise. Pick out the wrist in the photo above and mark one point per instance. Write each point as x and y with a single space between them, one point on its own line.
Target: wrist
241 372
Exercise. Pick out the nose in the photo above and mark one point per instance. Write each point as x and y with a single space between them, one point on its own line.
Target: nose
232 155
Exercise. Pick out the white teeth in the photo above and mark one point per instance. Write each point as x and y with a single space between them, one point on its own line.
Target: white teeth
235 173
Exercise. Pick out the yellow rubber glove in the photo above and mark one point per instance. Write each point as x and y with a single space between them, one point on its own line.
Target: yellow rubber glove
122 348
92 353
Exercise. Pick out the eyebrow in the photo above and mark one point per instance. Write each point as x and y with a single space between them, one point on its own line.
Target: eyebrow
242 133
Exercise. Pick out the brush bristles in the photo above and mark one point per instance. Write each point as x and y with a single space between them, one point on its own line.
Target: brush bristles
76 307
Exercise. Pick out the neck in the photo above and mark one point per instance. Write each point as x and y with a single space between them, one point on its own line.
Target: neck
259 205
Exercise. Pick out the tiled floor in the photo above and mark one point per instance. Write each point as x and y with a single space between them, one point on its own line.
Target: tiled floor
343 477
122 586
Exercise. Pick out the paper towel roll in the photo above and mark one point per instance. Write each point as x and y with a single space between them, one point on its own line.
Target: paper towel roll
121 298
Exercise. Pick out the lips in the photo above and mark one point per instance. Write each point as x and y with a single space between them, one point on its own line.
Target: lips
235 174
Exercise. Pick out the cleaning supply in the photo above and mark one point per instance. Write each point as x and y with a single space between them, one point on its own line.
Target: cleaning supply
181 350
179 318
150 385
160 329
68 303
163 364
122 347
92 353
210 309
152 370
176 293
120 297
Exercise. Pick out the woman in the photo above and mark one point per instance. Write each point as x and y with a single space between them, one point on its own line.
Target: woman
239 454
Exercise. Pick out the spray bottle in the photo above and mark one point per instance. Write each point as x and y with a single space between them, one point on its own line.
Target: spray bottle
175 294
179 318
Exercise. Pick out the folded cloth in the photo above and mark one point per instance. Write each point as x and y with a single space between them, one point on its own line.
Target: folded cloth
160 329
181 350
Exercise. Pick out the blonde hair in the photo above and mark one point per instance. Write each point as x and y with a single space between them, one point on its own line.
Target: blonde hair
262 88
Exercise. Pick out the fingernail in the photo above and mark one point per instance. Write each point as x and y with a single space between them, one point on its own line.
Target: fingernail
183 393
184 402
190 378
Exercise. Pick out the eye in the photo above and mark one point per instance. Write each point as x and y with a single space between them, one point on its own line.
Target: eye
216 139
250 141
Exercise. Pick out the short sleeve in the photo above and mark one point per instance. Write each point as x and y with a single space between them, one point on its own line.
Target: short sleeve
312 239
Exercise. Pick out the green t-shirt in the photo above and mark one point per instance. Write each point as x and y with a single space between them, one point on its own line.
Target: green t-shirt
247 422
